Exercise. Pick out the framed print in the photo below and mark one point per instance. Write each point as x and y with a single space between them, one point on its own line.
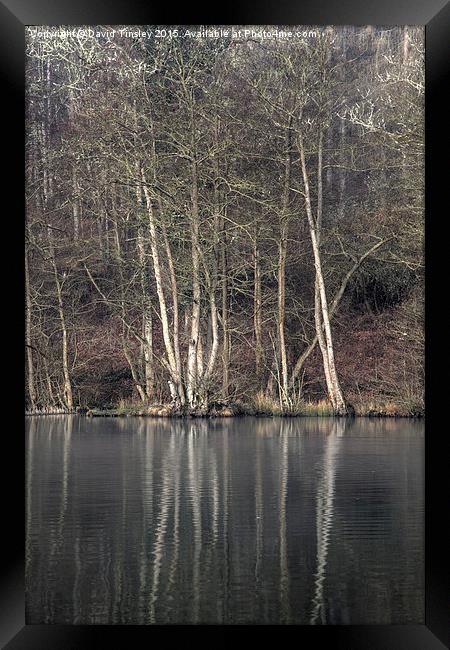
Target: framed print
234 300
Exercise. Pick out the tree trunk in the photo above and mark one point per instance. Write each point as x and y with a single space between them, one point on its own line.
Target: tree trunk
68 395
405 45
171 362
213 280
134 373
147 321
28 337
215 340
127 355
149 371
334 388
225 333
48 380
282 252
329 172
75 204
321 340
192 371
317 302
257 310
176 315
173 352
335 304
342 171
281 319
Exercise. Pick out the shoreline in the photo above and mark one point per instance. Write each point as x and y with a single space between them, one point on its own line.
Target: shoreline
235 411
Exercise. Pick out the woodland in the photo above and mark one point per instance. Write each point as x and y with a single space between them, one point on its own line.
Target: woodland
224 225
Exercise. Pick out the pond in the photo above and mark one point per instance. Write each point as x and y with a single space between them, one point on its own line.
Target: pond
227 521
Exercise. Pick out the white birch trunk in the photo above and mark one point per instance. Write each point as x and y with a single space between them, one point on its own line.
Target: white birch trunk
336 396
159 285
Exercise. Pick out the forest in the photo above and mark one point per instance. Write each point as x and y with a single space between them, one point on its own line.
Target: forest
224 225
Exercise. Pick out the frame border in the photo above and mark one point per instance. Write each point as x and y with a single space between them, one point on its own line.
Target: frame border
15 15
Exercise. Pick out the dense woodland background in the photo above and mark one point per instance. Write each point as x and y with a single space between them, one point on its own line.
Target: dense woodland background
226 220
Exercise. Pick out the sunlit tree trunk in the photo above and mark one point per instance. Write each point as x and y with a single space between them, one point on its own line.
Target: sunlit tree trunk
171 362
317 303
176 316
334 389
176 383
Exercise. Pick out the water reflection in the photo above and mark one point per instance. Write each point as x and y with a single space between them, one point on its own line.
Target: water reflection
324 515
284 580
312 520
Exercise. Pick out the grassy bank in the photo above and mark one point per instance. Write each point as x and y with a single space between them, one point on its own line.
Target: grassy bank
261 407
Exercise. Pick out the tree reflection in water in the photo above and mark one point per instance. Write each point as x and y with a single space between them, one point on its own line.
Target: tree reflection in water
191 521
324 515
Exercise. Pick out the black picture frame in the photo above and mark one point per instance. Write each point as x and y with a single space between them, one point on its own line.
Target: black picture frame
15 15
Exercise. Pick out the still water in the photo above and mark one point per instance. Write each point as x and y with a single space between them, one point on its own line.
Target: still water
247 520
